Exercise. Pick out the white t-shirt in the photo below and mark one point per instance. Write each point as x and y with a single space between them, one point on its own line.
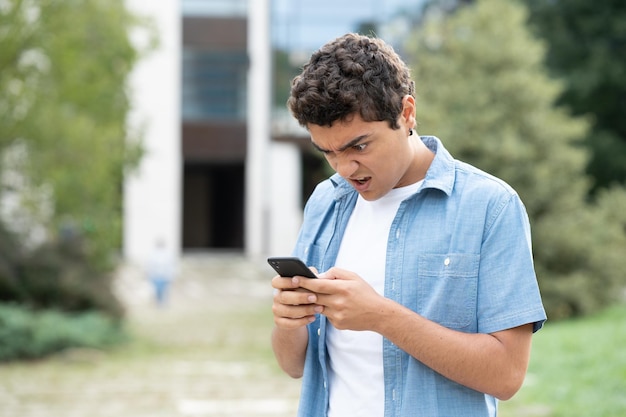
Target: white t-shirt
356 377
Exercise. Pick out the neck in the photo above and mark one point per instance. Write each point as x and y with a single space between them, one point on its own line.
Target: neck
422 158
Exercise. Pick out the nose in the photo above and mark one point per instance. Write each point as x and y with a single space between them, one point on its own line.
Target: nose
345 166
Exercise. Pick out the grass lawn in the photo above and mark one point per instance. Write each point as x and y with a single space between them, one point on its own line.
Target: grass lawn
577 369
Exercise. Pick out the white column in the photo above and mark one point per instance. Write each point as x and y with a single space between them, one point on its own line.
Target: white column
152 193
285 211
259 111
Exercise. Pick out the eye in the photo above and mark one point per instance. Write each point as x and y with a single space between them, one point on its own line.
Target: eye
360 147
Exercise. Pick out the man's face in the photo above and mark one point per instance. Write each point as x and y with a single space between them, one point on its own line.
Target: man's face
372 156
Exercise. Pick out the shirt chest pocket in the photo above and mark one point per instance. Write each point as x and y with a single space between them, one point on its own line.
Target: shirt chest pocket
447 286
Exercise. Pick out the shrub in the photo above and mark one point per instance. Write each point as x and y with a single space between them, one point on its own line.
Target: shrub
29 334
55 275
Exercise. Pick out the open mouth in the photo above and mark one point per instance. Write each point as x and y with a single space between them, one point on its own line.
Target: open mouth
361 182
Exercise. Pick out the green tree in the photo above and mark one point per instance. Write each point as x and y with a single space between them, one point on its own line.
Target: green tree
284 72
483 89
63 132
587 48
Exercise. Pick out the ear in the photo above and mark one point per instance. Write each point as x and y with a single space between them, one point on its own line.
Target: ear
407 118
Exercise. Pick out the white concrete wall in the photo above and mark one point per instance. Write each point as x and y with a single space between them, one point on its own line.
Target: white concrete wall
152 194
285 212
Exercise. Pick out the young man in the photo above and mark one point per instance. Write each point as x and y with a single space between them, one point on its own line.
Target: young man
428 298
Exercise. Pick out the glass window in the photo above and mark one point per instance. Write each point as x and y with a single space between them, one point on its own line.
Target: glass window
214 85
299 27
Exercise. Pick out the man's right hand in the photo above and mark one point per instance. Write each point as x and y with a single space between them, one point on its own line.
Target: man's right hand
293 306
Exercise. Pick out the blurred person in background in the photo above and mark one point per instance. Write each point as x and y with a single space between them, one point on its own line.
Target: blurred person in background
161 271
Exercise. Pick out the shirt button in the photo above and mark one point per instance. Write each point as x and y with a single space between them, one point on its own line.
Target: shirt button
319 331
446 262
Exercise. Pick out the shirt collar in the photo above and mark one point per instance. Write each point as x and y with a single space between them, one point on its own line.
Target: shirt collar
441 173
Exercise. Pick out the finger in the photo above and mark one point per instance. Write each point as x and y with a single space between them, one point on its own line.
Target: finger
281 283
319 286
291 312
295 297
337 273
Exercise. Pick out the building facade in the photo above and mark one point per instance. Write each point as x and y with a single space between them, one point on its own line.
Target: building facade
226 167
211 179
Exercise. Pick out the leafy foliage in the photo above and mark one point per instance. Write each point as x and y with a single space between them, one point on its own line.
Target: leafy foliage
25 334
64 148
484 90
56 274
284 72
64 67
586 47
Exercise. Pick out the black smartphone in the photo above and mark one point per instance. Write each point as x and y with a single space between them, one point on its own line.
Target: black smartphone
289 266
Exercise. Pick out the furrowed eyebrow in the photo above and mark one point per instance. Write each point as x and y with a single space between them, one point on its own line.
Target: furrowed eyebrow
318 148
348 145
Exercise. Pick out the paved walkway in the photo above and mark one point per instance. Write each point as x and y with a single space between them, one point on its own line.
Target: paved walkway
206 354
218 282
221 278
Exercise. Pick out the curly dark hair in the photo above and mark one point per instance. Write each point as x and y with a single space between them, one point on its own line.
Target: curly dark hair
351 74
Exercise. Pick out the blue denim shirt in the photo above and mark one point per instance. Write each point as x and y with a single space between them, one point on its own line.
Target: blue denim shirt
458 253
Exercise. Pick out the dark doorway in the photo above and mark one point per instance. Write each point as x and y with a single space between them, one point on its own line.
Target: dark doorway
213 211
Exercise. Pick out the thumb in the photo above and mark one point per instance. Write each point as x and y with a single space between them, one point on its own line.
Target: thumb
338 273
327 275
